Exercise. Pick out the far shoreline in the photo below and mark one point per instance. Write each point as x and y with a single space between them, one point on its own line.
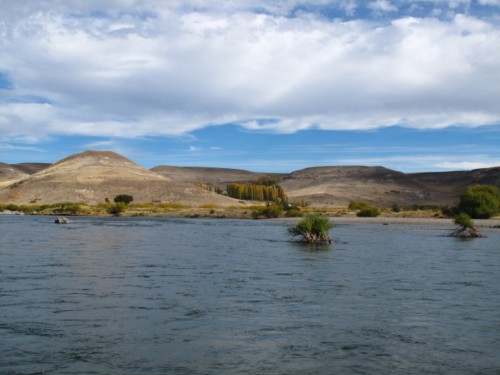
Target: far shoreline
488 225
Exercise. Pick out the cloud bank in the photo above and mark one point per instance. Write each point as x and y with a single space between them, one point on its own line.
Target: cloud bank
131 69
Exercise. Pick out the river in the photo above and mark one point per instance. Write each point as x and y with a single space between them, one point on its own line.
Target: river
199 296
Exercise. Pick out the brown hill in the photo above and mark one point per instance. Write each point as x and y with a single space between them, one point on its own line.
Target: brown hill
213 176
31 168
93 176
455 183
337 186
10 174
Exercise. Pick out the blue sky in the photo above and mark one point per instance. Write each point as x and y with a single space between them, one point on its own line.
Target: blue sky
261 85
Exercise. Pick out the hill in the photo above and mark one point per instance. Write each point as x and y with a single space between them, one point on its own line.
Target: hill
337 186
10 174
31 168
213 176
93 176
455 183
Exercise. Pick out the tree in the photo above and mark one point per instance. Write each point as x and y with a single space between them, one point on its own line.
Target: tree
313 229
123 198
480 201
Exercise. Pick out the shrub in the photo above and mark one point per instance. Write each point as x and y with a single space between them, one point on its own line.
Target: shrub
118 208
11 207
365 209
123 198
466 227
480 201
368 212
313 229
396 208
66 208
271 211
293 212
358 205
464 220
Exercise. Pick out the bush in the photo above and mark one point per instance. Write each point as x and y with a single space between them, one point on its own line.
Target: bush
123 198
313 229
464 220
118 208
368 212
480 201
365 209
358 205
271 211
65 208
293 212
11 207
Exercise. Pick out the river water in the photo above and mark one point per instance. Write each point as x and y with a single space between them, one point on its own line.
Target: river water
172 296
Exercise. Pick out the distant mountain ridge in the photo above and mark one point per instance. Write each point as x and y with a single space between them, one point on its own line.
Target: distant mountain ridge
92 176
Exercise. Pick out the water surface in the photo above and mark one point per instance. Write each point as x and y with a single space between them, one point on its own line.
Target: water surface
169 296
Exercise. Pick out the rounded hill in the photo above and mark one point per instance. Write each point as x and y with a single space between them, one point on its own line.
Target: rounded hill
93 176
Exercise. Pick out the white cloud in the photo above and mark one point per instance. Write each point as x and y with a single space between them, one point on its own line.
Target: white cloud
349 7
489 2
167 68
194 149
382 6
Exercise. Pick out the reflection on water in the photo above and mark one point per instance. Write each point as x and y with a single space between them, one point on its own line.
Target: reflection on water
164 296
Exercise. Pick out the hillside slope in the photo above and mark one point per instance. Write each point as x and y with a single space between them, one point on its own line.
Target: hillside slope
214 176
455 183
337 186
10 174
93 176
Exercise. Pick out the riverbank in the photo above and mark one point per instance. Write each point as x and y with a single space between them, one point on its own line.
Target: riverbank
390 219
490 225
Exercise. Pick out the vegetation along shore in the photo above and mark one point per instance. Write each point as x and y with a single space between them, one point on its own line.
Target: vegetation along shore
103 183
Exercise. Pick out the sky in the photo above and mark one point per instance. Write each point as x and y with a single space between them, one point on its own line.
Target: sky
271 86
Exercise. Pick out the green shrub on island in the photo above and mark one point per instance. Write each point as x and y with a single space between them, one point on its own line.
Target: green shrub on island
466 228
312 229
464 220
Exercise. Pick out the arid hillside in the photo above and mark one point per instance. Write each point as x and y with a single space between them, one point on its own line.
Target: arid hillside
93 176
337 186
213 176
455 183
10 174
31 168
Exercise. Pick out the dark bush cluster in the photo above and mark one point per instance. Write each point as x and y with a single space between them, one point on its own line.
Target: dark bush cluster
364 209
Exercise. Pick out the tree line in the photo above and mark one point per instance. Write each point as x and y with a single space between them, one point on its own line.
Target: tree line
272 193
